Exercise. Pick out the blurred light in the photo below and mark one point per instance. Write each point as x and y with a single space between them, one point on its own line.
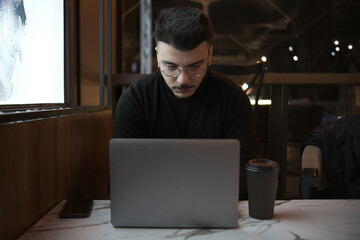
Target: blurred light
261 101
350 46
333 53
245 86
295 58
336 42
291 48
337 49
263 58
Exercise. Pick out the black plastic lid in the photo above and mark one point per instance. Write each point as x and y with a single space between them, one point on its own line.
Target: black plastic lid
262 165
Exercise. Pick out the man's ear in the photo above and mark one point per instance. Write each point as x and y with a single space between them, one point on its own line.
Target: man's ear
157 56
211 48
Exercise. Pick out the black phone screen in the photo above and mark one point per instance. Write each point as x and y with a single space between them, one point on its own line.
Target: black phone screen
77 208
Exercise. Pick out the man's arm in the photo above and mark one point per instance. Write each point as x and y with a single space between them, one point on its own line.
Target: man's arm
240 125
129 122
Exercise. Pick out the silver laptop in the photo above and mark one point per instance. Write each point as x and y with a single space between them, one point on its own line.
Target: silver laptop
177 183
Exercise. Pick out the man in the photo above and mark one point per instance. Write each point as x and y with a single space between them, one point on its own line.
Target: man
183 99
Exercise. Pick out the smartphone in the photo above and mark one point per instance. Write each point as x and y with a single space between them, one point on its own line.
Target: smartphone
77 208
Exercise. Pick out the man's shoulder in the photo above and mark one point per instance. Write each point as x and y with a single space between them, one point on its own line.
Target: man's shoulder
147 81
144 84
221 81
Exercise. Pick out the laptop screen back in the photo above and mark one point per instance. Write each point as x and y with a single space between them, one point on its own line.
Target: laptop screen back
192 183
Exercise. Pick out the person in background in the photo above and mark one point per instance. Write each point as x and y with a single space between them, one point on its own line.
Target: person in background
183 98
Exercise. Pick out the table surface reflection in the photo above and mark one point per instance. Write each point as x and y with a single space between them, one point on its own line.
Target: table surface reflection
294 219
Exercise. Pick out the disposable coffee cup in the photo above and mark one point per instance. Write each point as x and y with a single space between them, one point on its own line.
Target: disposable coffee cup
262 180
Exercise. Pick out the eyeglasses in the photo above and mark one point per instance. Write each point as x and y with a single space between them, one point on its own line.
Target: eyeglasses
174 72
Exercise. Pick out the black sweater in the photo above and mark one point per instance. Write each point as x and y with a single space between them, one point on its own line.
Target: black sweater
218 109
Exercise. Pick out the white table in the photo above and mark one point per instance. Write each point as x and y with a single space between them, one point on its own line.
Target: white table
295 219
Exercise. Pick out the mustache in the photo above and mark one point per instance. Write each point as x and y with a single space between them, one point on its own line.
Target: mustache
183 87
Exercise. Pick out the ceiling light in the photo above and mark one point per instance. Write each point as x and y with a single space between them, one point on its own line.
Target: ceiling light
333 53
263 58
291 48
245 86
261 101
337 49
336 42
350 46
295 58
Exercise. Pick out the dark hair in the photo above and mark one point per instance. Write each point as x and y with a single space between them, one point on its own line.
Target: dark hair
184 28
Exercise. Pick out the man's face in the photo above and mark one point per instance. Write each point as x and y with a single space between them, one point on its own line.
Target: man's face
192 64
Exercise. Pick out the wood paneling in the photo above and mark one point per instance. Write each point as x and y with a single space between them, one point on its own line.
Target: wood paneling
47 160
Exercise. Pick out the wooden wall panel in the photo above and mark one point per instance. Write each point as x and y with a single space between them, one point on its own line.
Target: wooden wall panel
45 161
